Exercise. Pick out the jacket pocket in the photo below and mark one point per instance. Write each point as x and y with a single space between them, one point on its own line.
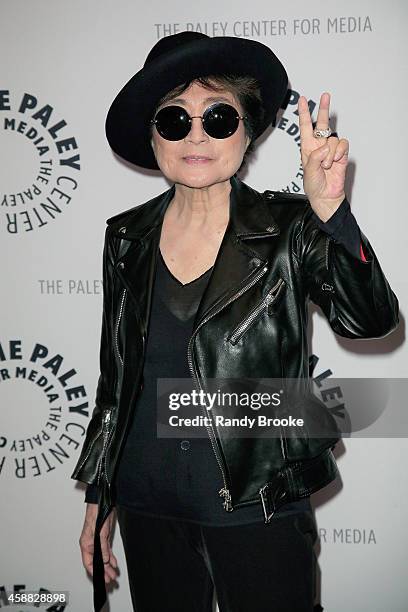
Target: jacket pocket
265 306
318 432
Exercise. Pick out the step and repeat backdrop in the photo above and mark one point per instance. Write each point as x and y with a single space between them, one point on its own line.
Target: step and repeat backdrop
61 65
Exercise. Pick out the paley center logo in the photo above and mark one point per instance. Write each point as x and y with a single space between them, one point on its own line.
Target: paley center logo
42 162
278 150
280 144
331 395
44 410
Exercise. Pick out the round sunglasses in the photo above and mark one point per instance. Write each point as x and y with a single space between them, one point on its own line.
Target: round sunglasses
219 120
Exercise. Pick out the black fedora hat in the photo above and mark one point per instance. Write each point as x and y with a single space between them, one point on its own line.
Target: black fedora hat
179 58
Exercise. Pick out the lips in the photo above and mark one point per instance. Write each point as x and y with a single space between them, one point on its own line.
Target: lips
196 158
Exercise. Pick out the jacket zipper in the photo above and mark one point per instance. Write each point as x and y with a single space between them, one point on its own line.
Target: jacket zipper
224 492
105 432
327 252
117 325
90 448
251 318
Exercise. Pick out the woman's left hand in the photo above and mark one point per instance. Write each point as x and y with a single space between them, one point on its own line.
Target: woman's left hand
324 160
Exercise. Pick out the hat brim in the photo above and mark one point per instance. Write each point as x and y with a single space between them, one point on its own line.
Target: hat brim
127 123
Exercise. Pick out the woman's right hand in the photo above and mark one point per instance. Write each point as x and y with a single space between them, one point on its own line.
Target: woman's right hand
86 543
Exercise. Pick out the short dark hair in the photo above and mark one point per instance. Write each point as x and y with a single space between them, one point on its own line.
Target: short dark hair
244 88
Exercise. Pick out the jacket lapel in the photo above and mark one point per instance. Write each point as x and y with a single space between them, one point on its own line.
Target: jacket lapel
139 247
240 255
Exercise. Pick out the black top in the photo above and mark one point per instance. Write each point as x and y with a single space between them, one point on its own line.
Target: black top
170 477
181 478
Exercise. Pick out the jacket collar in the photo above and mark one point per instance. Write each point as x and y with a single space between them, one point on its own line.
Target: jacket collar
250 214
238 260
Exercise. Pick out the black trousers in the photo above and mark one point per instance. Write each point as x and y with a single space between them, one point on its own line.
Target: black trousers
175 565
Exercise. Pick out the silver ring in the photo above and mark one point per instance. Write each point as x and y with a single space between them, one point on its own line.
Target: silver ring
322 133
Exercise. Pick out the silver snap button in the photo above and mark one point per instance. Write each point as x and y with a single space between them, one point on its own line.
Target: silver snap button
270 228
121 264
270 195
184 444
123 230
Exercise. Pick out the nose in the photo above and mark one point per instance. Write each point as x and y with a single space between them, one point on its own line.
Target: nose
197 133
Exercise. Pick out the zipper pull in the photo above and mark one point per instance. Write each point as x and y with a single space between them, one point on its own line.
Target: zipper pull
270 298
107 416
106 419
227 501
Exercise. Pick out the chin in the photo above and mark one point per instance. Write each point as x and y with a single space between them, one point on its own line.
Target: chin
197 181
198 178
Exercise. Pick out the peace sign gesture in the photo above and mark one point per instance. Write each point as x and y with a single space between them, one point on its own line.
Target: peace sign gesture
324 160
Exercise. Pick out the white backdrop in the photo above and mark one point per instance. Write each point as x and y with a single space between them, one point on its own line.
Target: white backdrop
61 65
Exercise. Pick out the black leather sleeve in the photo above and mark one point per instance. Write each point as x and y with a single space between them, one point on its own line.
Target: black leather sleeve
86 469
343 228
354 294
92 494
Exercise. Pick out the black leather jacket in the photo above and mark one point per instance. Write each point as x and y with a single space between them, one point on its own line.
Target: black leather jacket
272 247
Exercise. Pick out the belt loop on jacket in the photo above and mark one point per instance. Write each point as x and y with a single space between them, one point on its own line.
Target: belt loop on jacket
298 480
272 495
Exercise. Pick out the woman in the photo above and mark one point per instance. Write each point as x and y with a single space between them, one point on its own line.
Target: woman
211 280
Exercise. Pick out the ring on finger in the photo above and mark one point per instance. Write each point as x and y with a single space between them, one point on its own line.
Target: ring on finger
322 133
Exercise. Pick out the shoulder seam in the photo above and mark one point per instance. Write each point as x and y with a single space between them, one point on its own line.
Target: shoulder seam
129 211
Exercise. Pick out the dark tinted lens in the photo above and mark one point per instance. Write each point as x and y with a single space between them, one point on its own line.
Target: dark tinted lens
221 120
172 122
